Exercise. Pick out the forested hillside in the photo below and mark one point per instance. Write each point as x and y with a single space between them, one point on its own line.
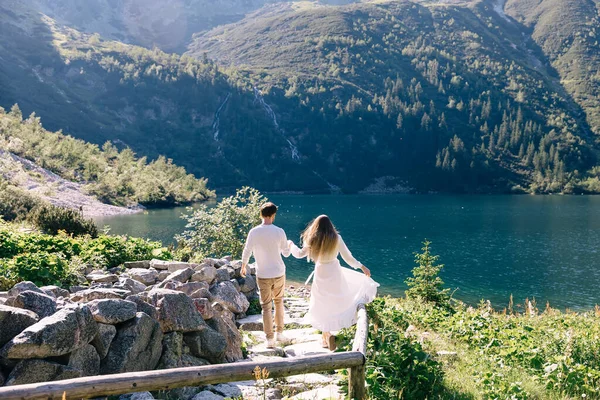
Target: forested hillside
425 96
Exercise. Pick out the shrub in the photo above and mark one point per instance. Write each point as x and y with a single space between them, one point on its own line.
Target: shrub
425 282
222 229
397 367
41 268
52 219
111 251
16 204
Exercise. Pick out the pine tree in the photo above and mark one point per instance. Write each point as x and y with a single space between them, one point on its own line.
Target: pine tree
426 284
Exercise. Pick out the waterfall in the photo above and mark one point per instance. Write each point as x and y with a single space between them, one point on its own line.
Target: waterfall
217 120
295 154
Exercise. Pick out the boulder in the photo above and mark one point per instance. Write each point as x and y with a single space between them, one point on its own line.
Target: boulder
176 311
137 264
191 287
23 286
169 284
188 360
227 390
162 275
67 330
222 275
52 290
112 311
102 341
226 294
247 284
201 293
207 395
33 371
206 274
137 396
235 284
132 285
40 303
208 344
136 347
171 351
237 268
86 360
224 324
145 276
204 306
77 288
181 275
171 266
13 321
99 293
102 278
2 379
159 264
143 305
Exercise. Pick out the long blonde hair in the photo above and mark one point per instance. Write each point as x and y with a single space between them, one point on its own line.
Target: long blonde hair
320 237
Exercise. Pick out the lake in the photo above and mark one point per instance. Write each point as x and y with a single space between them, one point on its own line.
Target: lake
542 247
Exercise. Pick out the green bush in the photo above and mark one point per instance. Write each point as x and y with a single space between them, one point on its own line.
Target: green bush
52 219
222 229
41 268
16 204
397 366
111 251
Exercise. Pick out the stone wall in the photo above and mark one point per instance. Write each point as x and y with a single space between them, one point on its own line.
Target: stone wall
144 315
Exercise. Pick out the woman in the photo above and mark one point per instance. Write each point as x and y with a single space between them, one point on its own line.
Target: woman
336 291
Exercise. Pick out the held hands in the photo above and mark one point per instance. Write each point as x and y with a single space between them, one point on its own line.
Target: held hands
366 271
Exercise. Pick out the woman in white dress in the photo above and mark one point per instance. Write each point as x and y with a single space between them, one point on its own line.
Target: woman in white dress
336 291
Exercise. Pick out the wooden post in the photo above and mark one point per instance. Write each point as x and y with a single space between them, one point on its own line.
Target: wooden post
104 385
356 375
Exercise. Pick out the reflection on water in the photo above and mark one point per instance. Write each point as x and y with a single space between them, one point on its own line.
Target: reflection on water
531 246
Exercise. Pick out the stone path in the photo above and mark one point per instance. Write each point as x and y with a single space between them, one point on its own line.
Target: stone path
303 341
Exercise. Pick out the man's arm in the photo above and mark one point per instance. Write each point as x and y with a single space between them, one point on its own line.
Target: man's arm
284 246
248 250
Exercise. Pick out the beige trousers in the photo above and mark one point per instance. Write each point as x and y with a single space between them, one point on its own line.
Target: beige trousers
271 291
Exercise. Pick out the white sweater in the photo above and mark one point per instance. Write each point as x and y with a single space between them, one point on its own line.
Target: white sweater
267 243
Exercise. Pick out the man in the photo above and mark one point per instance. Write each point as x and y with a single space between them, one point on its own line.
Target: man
267 243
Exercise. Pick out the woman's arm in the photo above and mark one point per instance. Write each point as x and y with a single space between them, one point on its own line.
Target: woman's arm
349 258
297 252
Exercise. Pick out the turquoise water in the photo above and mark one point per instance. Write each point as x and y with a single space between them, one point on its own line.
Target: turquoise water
542 247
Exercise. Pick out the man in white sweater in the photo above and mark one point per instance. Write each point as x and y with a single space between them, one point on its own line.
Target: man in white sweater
267 243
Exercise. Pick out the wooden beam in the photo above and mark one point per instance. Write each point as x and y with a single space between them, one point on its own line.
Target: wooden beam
356 375
104 385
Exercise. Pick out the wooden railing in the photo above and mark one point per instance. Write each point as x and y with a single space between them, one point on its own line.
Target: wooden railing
105 385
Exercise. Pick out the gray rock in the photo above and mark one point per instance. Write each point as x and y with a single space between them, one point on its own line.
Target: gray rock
137 264
112 311
132 285
247 284
137 346
102 278
55 291
162 275
100 293
40 303
137 396
207 395
222 275
171 266
224 324
188 360
2 379
202 293
159 264
169 284
226 294
206 274
146 276
191 287
33 371
105 336
181 275
77 288
65 331
235 284
176 311
172 349
227 390
13 321
204 306
86 360
143 306
23 286
208 344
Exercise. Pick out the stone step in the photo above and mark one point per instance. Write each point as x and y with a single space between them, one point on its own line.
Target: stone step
254 322
305 349
329 392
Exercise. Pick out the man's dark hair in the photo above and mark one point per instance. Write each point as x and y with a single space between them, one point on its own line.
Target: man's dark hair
268 210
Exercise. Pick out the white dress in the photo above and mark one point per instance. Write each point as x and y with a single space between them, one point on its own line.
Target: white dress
336 291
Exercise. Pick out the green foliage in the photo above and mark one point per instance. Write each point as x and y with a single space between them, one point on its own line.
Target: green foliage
255 308
51 219
15 204
222 229
426 282
397 366
52 259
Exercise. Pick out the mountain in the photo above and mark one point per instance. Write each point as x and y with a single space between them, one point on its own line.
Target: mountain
440 95
454 95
